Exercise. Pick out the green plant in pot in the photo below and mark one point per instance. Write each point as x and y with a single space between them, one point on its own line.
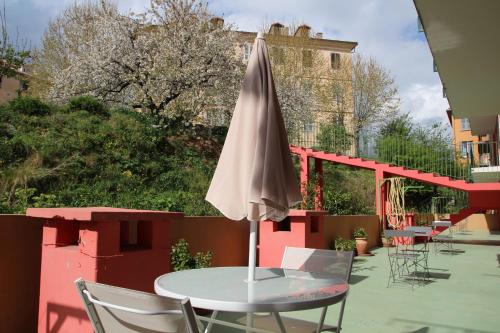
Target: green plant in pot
341 244
182 259
361 242
387 241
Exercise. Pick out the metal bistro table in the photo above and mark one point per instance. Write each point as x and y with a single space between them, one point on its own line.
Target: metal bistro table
275 290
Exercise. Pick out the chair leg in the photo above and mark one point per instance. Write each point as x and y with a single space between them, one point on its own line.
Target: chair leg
341 316
280 322
208 329
321 320
391 273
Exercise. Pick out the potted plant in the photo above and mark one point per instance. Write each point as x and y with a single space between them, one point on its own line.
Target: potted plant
181 259
341 244
361 243
387 241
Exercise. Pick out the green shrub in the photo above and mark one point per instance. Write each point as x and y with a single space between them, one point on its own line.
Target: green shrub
80 158
334 138
359 233
29 106
89 104
181 258
341 244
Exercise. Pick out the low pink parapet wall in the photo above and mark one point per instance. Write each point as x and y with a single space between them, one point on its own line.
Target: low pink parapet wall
344 226
227 239
20 254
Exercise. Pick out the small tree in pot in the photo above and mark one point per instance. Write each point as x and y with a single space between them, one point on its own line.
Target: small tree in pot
361 243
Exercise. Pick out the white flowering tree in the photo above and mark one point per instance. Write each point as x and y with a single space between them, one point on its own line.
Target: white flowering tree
169 61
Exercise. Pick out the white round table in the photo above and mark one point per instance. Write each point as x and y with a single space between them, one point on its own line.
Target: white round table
275 289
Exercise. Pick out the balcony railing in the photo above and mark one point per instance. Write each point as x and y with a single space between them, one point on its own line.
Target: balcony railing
479 154
425 155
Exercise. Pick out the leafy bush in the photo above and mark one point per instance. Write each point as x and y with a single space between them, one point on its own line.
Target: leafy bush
359 233
341 244
334 138
89 104
80 158
181 258
29 106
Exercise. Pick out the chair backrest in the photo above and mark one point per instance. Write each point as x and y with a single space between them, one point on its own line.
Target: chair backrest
113 309
403 239
317 263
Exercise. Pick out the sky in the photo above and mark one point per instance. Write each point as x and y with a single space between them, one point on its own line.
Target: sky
384 29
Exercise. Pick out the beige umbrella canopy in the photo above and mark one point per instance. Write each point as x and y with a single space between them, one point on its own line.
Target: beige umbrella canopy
255 177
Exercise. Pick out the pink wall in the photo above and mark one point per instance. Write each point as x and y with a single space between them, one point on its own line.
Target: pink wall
228 240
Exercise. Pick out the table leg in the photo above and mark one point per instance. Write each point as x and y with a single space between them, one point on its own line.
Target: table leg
249 322
280 322
210 324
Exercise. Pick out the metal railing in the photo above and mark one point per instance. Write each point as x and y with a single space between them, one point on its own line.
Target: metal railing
441 158
449 204
479 154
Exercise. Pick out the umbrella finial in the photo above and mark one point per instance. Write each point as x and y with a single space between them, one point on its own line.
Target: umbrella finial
260 35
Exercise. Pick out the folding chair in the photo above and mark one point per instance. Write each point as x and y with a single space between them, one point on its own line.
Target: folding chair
113 309
443 241
313 264
424 251
403 259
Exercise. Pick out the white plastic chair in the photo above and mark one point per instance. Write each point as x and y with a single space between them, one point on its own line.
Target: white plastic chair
119 310
312 264
321 264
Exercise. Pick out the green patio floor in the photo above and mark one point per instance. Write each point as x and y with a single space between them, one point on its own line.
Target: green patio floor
485 237
462 297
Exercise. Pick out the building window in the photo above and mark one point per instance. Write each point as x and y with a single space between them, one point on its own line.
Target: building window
306 58
247 51
335 60
465 124
420 26
309 127
466 149
277 54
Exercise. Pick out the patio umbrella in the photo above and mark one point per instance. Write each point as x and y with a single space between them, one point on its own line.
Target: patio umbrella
255 178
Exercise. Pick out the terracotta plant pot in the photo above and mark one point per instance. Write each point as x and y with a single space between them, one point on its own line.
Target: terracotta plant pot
387 242
361 245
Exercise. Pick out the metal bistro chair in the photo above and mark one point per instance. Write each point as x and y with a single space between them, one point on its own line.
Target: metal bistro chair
113 309
315 264
424 250
443 241
403 259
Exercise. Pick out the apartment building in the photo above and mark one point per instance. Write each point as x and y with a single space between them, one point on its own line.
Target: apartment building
463 44
321 66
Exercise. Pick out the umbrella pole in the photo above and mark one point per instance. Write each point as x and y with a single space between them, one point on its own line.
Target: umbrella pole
252 251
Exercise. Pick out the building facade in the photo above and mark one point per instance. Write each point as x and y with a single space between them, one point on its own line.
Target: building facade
10 88
469 77
306 64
